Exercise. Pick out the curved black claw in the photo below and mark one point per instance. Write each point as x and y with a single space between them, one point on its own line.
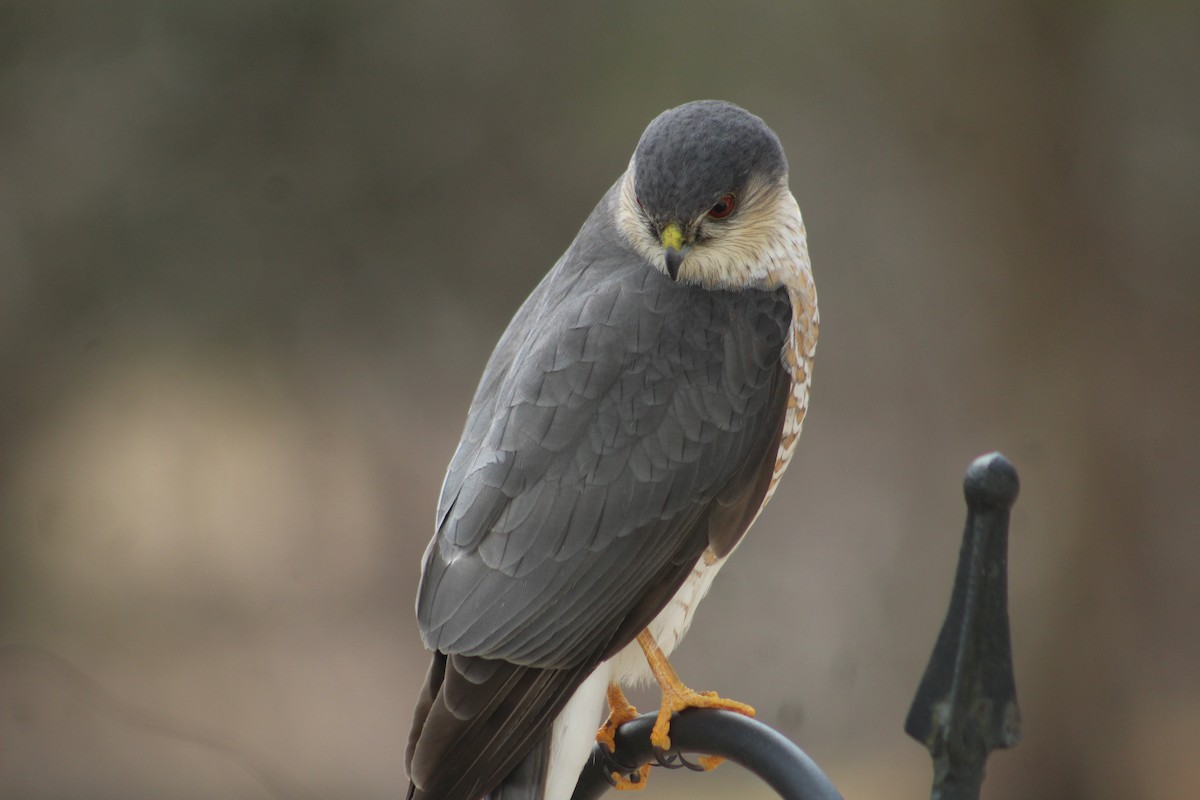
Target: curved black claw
675 761
615 766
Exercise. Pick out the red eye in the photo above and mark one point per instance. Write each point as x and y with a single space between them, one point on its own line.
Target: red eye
723 208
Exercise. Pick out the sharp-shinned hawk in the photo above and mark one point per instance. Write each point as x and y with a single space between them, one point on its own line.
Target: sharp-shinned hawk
630 425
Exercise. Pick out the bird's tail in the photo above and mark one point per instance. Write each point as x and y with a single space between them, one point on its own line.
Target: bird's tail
528 780
479 719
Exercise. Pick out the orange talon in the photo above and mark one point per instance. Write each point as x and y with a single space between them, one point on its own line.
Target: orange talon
624 784
676 697
620 711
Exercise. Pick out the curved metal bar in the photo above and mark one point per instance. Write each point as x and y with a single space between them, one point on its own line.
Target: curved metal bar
764 751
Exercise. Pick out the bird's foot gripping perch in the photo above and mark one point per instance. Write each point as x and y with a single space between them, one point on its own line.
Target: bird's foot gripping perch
676 697
620 711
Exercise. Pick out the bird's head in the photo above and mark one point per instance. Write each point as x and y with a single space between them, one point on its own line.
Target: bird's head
705 198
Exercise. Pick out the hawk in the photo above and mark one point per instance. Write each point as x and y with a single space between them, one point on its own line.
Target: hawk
629 427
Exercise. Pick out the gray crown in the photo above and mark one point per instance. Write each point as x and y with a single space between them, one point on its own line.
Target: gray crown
690 156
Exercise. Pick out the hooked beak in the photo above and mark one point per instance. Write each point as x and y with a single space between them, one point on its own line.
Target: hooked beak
673 249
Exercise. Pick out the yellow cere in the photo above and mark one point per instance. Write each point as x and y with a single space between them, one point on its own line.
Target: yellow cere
672 237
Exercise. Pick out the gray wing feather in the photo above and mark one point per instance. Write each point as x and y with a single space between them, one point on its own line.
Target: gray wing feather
615 409
623 424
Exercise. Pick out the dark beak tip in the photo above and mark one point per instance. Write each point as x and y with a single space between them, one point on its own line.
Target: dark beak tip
674 258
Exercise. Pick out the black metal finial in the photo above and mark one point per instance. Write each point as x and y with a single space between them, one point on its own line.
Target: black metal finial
966 704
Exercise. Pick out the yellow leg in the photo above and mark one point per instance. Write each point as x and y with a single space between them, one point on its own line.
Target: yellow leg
620 711
677 697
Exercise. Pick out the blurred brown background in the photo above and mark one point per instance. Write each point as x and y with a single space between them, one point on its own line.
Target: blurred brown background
253 257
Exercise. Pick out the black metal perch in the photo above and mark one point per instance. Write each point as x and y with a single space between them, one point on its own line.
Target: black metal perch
966 704
765 752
